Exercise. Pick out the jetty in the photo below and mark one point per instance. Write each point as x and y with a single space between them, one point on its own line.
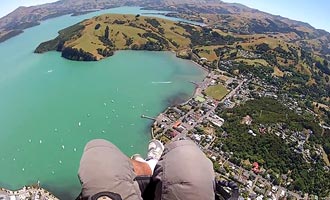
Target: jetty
147 117
195 83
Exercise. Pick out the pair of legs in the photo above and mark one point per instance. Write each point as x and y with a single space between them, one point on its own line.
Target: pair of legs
182 172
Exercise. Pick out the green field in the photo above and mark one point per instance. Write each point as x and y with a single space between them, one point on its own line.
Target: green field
216 91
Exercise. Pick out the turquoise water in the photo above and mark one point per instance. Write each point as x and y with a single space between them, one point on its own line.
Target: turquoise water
50 107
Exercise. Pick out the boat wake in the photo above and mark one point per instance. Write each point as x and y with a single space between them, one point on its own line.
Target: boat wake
161 82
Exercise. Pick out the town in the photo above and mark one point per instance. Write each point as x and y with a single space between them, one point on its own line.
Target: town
198 119
34 192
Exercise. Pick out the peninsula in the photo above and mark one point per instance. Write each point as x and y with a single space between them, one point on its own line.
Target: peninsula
99 37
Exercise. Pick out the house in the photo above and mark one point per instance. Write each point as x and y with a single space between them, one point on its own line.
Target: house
173 134
260 197
252 133
213 82
180 128
274 188
178 123
203 60
246 175
262 129
255 167
253 195
217 123
247 120
196 137
178 111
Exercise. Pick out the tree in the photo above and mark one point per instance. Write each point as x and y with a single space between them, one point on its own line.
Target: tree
97 26
106 32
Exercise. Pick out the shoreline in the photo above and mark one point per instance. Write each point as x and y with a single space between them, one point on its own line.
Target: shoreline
30 190
191 97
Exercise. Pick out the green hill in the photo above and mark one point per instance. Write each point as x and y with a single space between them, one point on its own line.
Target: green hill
99 37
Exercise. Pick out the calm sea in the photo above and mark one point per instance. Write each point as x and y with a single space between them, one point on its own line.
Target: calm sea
50 107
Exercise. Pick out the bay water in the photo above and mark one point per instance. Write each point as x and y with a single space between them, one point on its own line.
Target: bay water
51 107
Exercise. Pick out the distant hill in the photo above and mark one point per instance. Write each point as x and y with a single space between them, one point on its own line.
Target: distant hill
232 17
295 54
99 37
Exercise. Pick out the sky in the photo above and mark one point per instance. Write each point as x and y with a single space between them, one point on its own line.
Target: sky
314 12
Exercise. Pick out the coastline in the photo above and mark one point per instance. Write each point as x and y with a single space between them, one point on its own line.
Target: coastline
29 192
206 71
191 97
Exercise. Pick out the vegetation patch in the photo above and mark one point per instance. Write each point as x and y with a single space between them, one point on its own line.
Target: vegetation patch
216 91
271 151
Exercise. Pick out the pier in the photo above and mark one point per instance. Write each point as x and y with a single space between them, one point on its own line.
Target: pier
147 117
193 82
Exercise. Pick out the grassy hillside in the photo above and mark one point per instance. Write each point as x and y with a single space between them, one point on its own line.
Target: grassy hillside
102 35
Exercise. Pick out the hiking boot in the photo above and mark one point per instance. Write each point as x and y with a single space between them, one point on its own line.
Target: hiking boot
155 149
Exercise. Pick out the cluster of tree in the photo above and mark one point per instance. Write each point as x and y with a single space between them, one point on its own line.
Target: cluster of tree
270 57
129 41
306 56
311 178
284 54
326 144
294 53
64 35
173 43
263 72
117 21
292 77
153 22
161 30
222 50
325 49
324 67
207 37
267 53
156 37
106 52
79 55
105 38
148 46
106 33
97 26
269 150
276 26
262 48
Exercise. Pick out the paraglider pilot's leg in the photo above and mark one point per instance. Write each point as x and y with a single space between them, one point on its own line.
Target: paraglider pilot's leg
183 173
105 170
